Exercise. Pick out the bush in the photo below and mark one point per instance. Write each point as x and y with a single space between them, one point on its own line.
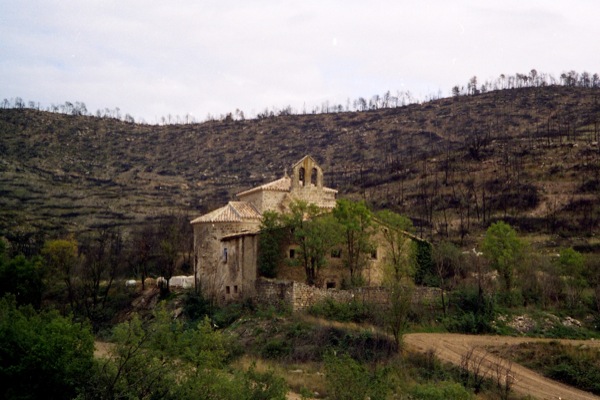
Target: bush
195 306
227 315
276 348
353 311
42 355
440 391
347 379
472 314
428 366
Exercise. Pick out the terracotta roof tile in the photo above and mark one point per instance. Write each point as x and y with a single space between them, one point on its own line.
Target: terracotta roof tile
280 185
234 211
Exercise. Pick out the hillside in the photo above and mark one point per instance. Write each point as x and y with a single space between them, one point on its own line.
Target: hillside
528 155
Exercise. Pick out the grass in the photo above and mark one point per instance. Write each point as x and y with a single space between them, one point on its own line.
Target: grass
302 378
578 366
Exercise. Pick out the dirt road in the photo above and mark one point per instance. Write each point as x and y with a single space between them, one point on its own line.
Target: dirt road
452 347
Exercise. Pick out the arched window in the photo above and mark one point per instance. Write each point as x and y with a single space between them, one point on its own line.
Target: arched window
313 176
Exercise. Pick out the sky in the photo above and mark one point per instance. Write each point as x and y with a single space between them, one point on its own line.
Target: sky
199 57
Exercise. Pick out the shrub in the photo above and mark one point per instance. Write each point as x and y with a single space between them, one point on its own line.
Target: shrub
347 379
473 314
42 355
276 348
196 306
440 391
227 315
353 311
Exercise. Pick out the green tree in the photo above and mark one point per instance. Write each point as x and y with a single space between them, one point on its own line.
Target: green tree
162 359
42 355
23 278
355 220
399 256
572 267
315 233
503 248
398 271
447 259
425 267
270 252
62 259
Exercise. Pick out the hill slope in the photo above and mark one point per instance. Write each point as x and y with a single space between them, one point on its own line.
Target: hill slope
529 155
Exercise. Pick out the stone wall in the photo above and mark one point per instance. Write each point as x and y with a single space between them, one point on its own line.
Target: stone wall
300 296
274 292
219 262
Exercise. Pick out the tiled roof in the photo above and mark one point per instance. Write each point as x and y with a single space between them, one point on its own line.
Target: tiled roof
234 211
280 185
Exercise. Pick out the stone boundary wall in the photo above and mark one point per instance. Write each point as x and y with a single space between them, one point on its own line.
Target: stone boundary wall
300 296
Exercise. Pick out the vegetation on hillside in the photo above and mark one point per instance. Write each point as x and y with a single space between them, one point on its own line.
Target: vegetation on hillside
522 148
502 180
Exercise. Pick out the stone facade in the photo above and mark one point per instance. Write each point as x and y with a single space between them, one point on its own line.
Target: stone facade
226 239
335 275
226 245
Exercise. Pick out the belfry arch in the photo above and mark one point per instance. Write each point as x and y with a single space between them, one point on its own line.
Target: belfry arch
307 173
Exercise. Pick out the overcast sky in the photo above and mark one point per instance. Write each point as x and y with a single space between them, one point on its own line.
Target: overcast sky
153 58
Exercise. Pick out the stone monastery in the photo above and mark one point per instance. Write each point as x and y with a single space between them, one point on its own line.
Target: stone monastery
226 239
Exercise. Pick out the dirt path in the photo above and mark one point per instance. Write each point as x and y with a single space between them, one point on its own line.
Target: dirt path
452 347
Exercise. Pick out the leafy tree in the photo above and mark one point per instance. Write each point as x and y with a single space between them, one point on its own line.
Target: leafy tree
572 266
272 235
23 278
42 355
399 256
447 259
62 258
315 233
398 271
355 219
425 268
503 248
163 359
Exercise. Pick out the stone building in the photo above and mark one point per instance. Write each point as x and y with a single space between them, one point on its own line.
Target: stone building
226 239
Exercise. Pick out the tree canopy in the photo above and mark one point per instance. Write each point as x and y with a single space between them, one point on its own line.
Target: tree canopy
42 355
503 248
355 220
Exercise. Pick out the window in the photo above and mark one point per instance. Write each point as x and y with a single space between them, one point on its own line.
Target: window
336 253
235 289
225 255
330 285
301 176
292 253
227 290
313 177
374 254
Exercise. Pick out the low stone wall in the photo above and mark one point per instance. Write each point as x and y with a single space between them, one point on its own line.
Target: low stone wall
305 296
274 292
300 296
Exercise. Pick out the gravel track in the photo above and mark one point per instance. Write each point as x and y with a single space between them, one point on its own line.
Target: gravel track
452 348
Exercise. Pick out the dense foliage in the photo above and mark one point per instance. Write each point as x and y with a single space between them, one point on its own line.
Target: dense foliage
42 355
